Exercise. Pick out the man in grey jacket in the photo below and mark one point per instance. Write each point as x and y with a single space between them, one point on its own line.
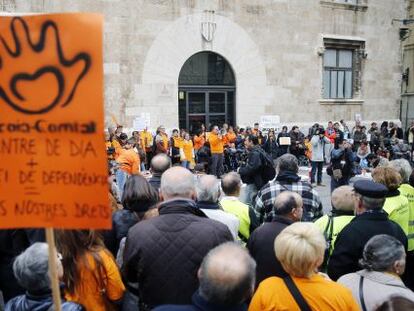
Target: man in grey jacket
318 142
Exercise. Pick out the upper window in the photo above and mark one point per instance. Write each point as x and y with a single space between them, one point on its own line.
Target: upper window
206 68
342 67
357 5
347 1
337 73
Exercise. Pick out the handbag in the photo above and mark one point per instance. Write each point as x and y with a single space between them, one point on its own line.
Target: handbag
294 291
337 173
361 293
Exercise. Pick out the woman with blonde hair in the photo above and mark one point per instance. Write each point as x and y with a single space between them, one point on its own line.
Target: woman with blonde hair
396 205
91 276
300 249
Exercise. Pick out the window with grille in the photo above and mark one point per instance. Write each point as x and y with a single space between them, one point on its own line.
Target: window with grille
338 73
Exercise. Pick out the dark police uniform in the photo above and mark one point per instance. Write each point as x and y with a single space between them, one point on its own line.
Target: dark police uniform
352 239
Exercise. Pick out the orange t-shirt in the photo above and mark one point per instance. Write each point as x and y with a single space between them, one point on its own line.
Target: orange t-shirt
199 142
231 138
118 148
187 151
129 161
319 292
146 140
216 143
165 141
87 293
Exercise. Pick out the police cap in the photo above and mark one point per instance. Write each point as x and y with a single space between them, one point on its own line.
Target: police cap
370 189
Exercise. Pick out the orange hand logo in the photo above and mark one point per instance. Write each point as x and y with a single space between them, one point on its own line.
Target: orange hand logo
28 87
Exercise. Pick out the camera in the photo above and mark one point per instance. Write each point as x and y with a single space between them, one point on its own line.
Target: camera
110 151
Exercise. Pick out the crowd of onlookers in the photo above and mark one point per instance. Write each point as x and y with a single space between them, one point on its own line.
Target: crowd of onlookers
189 235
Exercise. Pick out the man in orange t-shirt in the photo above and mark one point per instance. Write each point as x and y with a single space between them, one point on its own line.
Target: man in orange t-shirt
129 164
216 148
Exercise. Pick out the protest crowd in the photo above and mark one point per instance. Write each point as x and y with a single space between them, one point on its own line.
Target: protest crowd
221 219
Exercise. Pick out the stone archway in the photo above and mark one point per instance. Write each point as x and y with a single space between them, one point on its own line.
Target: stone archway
158 91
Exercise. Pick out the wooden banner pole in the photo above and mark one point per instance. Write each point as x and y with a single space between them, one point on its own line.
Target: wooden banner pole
53 270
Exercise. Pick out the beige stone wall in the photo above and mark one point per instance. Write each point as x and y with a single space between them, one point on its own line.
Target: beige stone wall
272 46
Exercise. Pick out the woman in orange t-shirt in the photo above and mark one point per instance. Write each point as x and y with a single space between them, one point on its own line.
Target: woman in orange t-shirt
187 152
91 275
300 249
199 140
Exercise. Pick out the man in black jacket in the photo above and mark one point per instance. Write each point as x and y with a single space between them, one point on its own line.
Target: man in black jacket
162 254
288 208
370 220
251 171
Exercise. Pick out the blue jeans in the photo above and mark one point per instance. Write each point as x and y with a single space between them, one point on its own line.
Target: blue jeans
121 178
316 167
185 164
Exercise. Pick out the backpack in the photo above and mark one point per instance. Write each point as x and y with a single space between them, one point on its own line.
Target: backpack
268 171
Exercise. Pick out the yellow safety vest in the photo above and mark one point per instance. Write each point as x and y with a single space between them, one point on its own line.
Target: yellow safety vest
408 191
241 211
339 222
398 210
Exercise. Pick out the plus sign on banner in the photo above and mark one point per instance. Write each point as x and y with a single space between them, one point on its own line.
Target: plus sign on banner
53 170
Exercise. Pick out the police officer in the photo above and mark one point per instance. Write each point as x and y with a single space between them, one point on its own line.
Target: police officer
370 220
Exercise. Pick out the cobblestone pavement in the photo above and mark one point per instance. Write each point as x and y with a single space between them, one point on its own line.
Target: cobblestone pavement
324 192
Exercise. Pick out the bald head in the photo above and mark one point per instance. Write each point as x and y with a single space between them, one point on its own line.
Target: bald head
289 204
231 183
208 189
343 198
227 275
160 163
177 182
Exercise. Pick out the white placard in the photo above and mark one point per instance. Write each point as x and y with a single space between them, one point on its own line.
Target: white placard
284 141
141 122
269 122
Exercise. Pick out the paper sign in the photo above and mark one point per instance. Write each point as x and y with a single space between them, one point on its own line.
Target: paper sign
53 169
141 122
270 122
284 141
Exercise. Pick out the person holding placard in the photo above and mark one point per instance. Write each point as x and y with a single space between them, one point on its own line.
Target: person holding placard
283 140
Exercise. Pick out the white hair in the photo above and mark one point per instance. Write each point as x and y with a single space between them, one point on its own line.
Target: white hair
208 189
403 167
177 182
31 267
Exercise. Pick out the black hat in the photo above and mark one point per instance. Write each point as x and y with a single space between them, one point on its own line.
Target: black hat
123 136
370 189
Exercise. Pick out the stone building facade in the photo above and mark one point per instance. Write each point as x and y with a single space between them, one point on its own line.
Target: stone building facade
304 60
407 85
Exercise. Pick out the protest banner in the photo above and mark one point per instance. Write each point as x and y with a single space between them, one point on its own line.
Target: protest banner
53 169
269 122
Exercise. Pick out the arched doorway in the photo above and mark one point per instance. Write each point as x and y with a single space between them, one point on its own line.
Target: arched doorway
206 92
